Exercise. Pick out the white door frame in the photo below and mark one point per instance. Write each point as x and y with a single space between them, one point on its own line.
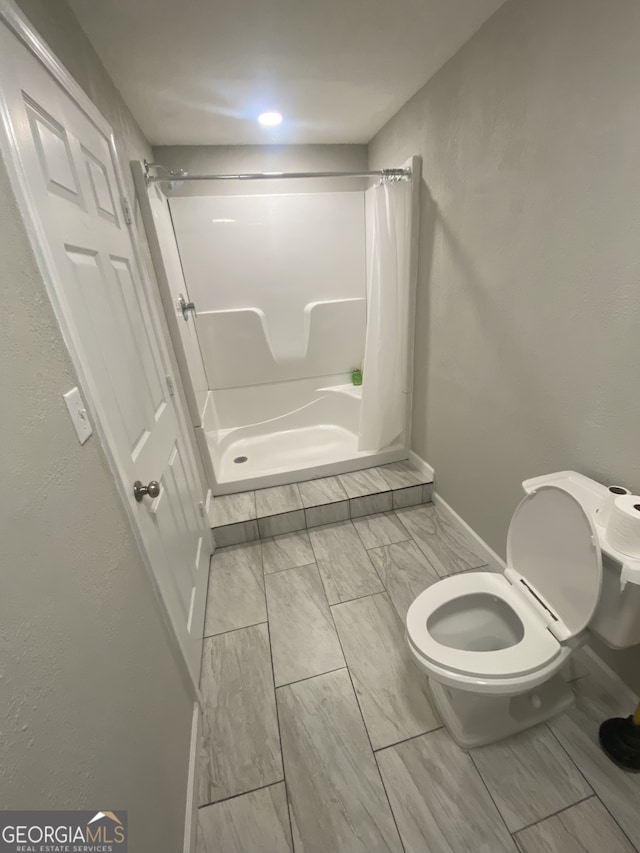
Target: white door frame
13 18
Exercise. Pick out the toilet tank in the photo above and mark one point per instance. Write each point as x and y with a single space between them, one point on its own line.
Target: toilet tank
617 618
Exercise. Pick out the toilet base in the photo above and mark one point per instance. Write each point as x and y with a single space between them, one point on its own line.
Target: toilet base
475 719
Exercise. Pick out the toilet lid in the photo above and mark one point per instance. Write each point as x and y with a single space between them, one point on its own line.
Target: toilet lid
553 545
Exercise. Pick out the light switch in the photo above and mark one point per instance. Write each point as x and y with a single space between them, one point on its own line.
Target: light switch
79 415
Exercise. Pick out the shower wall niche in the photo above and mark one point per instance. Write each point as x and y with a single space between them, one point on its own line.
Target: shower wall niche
279 284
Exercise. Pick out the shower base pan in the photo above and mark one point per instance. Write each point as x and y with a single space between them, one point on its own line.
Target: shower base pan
286 432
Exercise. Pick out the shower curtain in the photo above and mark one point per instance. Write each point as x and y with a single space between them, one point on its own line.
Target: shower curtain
385 374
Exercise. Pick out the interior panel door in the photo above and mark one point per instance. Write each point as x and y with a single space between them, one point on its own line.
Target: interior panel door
67 161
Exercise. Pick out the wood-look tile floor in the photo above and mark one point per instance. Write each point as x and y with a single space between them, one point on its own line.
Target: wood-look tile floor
320 736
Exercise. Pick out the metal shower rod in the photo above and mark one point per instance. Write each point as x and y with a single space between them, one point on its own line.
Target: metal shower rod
180 175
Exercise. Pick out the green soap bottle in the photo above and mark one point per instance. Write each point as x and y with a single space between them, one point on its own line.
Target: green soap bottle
356 377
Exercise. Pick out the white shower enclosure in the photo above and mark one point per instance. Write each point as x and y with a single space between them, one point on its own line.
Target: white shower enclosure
291 293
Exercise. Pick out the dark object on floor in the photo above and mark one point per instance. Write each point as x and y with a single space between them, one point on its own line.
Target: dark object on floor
620 740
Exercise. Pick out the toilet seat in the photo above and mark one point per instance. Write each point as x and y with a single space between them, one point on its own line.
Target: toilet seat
552 586
537 648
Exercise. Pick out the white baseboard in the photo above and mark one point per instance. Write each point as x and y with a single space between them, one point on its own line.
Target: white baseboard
421 465
191 811
495 563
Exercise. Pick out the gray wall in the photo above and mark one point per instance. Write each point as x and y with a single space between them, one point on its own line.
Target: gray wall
95 709
528 316
236 159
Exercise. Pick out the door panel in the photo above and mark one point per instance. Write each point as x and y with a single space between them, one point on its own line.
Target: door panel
68 167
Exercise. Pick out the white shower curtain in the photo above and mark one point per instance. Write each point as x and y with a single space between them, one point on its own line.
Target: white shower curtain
384 371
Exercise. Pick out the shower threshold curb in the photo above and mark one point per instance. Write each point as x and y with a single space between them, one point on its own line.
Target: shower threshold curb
305 518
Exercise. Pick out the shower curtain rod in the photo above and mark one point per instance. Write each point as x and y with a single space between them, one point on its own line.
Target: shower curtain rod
179 176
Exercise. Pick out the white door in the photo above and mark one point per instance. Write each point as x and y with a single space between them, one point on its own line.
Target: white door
64 160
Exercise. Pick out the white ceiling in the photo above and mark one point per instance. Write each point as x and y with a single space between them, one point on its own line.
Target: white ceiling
200 71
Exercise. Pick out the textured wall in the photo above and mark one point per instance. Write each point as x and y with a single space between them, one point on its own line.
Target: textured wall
94 710
235 159
528 312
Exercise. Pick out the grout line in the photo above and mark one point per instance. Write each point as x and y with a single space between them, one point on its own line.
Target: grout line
386 793
383 591
206 607
233 630
613 818
244 793
311 677
221 548
565 750
495 805
388 544
360 535
290 569
591 796
584 776
408 739
375 761
325 523
275 702
231 524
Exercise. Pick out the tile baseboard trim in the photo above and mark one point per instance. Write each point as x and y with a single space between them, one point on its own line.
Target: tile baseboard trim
191 811
495 563
422 466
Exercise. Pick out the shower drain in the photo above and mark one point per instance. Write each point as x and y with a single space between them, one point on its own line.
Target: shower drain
240 459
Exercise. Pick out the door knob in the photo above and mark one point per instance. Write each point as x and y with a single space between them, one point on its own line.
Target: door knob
139 491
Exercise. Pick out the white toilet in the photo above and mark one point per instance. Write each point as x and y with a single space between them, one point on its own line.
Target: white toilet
493 643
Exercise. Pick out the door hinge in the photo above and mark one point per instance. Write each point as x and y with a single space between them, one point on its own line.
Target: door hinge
171 388
126 210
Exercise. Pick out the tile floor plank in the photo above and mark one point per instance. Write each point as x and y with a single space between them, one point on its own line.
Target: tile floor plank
408 496
258 821
315 516
281 524
378 530
585 828
529 777
231 509
370 504
235 598
439 800
346 570
240 747
405 572
399 475
367 482
325 490
393 694
577 731
337 800
304 641
286 552
446 545
277 500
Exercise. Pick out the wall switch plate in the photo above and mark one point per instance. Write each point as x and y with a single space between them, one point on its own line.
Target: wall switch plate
79 415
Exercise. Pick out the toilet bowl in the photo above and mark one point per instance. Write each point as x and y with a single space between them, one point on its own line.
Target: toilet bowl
493 643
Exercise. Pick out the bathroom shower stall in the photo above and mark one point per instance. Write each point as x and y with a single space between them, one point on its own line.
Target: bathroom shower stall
291 314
